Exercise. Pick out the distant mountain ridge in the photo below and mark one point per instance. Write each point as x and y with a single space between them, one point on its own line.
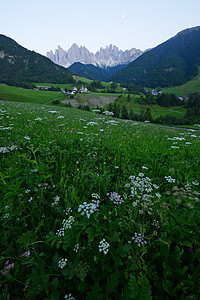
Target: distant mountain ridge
171 63
20 64
94 73
110 56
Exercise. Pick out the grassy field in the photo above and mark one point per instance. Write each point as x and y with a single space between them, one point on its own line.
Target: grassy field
186 89
96 208
11 93
136 105
92 100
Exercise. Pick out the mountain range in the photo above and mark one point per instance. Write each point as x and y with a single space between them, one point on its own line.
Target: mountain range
20 64
110 56
171 63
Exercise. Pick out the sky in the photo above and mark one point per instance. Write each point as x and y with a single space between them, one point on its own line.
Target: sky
42 25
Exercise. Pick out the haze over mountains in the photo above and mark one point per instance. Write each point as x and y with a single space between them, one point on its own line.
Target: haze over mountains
110 56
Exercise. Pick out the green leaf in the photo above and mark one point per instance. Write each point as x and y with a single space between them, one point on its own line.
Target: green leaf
95 293
113 282
55 283
168 287
83 287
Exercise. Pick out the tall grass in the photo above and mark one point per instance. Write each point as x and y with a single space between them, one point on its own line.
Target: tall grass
96 208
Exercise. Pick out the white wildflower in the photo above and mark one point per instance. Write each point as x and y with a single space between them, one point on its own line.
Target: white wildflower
104 246
62 263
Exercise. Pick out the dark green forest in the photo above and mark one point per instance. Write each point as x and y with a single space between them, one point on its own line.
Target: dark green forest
171 63
22 65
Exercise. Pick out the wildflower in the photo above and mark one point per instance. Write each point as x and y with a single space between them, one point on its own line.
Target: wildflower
34 170
76 248
108 113
87 209
67 210
69 297
104 246
143 167
170 179
92 123
139 240
115 198
26 254
56 200
67 224
4 150
96 196
62 263
60 232
7 267
195 182
190 206
29 200
158 195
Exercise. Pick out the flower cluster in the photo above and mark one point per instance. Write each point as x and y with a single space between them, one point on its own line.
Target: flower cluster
143 190
62 263
8 266
7 149
67 224
108 113
69 297
104 246
87 209
60 232
115 198
138 239
141 184
170 179
56 200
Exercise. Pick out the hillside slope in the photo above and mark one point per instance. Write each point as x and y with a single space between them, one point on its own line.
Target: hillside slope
173 62
20 64
94 73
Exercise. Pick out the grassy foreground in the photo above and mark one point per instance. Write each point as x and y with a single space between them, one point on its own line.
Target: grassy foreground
96 208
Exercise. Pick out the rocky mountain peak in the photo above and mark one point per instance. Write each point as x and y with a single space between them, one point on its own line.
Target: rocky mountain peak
109 56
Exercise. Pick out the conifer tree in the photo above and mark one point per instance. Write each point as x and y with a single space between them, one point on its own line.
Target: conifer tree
124 112
148 116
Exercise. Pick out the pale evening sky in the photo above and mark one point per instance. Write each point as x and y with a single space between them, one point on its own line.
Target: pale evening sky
43 25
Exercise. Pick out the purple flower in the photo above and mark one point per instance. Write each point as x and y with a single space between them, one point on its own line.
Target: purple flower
138 239
26 254
7 267
116 198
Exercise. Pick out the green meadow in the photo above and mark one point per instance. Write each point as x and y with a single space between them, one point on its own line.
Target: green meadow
93 100
192 86
11 93
94 207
